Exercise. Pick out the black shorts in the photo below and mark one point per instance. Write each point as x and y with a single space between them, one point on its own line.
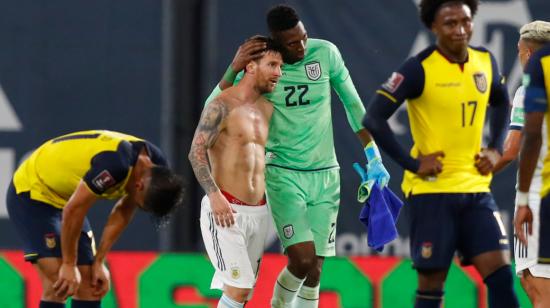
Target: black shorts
39 226
544 231
444 223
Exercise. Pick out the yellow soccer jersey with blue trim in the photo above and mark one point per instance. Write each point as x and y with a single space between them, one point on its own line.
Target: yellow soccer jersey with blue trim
103 159
447 104
537 84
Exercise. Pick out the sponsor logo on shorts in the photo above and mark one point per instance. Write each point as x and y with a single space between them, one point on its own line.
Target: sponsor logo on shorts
332 235
50 240
288 231
393 83
235 273
481 82
313 70
426 250
103 181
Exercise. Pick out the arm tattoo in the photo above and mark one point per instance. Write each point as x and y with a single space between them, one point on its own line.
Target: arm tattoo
207 131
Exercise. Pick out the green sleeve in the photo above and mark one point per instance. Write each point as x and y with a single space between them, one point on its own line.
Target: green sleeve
340 80
217 89
355 111
213 95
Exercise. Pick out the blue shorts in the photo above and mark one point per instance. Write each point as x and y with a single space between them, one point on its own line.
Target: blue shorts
544 231
39 226
444 223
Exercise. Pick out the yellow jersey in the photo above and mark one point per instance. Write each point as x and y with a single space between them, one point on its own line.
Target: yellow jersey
102 159
537 82
446 105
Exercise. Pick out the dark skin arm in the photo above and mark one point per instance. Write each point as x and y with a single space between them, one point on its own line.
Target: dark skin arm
530 151
250 50
73 217
364 136
118 220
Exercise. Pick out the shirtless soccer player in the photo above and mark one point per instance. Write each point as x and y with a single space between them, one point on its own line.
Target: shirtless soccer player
231 135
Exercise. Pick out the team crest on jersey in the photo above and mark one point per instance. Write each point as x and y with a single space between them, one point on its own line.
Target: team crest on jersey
50 240
426 250
393 83
313 70
288 231
235 273
104 180
481 82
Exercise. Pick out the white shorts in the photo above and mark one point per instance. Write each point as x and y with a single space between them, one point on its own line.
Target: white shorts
236 251
526 257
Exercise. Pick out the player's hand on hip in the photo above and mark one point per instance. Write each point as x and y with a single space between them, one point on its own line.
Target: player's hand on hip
68 281
523 216
486 160
253 48
221 209
430 164
101 279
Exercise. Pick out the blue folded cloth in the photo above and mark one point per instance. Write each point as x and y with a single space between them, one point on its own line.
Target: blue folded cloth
379 215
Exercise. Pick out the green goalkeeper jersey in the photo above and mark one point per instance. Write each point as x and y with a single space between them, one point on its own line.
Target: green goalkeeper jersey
300 131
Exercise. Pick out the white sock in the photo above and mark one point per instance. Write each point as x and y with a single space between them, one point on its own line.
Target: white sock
285 289
226 302
308 297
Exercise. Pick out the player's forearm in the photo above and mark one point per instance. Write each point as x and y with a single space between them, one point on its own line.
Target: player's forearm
376 121
528 159
199 163
364 136
118 220
511 150
71 227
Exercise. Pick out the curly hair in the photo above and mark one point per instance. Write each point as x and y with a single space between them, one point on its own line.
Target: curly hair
282 17
429 8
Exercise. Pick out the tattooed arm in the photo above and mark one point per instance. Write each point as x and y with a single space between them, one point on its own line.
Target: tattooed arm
208 130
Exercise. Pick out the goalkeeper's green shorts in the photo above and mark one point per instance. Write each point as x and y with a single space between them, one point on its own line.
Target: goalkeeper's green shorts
304 206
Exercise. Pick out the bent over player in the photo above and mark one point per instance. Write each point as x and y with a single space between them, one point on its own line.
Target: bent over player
231 135
448 87
55 187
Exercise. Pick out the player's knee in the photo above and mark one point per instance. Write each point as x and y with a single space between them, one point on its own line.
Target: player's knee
304 263
48 292
239 295
431 280
313 277
86 292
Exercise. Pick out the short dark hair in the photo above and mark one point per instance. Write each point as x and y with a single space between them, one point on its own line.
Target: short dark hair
429 8
164 195
281 17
